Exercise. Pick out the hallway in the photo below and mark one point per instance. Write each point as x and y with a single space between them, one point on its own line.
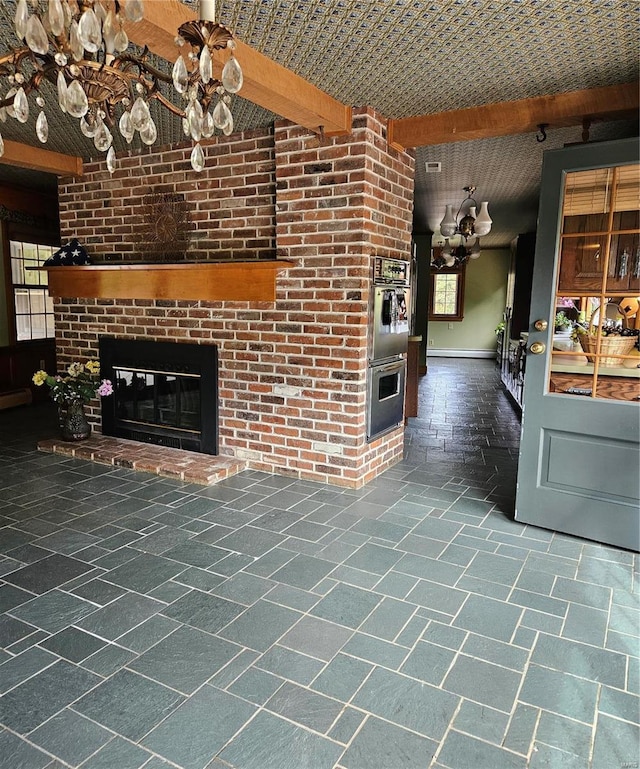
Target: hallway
270 623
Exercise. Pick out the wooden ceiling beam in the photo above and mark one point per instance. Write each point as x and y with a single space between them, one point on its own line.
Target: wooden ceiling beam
515 117
266 83
39 159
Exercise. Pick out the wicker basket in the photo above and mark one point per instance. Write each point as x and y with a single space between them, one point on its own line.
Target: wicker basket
611 347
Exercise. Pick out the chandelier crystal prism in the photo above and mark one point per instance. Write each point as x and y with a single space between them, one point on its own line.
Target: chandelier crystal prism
462 232
77 53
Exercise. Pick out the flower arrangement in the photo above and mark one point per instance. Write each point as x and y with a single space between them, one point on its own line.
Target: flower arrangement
81 383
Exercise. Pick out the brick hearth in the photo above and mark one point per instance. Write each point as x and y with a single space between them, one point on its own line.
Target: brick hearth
160 460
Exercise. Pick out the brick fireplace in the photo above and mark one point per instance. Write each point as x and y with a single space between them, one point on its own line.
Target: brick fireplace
292 373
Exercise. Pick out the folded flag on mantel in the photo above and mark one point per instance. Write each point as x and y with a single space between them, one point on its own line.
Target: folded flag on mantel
72 253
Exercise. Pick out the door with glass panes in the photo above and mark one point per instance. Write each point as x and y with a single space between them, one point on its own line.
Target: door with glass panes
579 468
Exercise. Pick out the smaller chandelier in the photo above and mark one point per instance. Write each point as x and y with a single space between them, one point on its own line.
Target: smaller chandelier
78 50
465 229
454 255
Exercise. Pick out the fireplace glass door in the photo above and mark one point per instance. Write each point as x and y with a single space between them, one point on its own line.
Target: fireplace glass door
158 398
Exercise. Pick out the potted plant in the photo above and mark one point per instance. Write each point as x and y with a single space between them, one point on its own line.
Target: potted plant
562 325
80 384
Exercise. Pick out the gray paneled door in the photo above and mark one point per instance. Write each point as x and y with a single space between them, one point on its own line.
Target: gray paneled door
579 469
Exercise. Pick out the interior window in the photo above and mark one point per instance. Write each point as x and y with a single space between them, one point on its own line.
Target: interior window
32 305
446 295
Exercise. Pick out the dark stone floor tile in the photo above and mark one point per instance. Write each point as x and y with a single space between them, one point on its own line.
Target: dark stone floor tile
616 743
276 520
108 660
70 737
29 553
373 558
144 573
181 738
256 686
270 741
560 693
73 644
12 630
260 625
606 667
460 751
120 615
346 605
481 722
129 704
316 637
303 571
98 591
37 699
54 610
203 611
46 574
196 554
483 682
489 617
18 754
415 705
289 664
251 541
381 744
304 707
117 754
185 659
148 633
15 670
243 588
428 662
13 538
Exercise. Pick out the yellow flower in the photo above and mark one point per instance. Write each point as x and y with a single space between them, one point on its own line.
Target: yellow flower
39 378
93 366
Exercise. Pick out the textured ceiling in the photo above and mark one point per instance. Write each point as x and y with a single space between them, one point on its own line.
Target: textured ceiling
406 57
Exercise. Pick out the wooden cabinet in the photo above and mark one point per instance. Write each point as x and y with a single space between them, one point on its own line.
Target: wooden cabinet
600 243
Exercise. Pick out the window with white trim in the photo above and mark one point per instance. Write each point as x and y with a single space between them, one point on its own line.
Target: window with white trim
33 306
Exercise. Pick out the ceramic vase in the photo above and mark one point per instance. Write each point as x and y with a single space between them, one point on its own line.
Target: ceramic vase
73 421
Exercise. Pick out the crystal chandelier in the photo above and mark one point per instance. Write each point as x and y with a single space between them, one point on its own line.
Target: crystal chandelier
80 48
462 233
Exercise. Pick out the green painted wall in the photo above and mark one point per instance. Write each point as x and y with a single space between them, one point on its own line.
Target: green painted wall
484 303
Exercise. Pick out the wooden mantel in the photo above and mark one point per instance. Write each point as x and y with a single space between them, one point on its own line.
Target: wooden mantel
250 281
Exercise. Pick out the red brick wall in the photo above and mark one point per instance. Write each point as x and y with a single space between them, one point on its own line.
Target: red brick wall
292 374
229 207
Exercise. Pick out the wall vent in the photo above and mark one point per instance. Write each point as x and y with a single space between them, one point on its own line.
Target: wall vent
433 167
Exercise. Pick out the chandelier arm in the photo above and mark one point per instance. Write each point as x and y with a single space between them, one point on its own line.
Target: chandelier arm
157 94
143 66
12 57
32 84
466 200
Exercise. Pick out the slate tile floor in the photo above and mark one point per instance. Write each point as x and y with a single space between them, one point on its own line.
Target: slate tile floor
266 623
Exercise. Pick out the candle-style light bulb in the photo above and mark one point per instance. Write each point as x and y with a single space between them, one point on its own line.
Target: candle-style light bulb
208 10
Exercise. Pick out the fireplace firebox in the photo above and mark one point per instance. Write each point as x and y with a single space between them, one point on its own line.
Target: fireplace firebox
165 393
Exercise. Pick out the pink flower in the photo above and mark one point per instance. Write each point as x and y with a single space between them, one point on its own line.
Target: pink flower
106 388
